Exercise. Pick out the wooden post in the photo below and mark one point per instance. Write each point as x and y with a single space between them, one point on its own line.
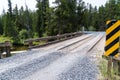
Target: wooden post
7 48
119 68
30 44
109 67
58 37
66 37
115 67
71 35
0 54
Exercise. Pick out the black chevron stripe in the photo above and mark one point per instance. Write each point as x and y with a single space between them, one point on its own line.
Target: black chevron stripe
114 53
113 32
112 44
111 23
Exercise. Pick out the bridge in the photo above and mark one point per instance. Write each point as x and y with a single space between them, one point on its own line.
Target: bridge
72 58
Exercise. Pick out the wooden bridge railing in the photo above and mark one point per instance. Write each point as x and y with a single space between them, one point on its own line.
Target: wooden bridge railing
51 39
5 46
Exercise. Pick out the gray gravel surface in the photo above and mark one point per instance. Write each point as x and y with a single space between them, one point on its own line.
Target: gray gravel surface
23 65
17 57
82 70
27 69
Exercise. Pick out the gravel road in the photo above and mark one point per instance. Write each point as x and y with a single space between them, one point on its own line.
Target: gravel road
51 63
84 69
29 68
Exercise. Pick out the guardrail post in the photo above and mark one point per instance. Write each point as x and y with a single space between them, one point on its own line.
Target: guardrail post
119 68
115 67
65 36
7 48
109 67
58 38
30 44
71 35
0 54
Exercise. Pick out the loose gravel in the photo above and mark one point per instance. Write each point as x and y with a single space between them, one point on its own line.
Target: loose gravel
17 57
29 68
23 65
83 70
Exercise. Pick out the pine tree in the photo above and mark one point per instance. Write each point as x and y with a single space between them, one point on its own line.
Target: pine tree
10 29
28 22
1 26
42 20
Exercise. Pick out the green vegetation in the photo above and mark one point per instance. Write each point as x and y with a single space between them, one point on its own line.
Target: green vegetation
66 17
23 34
3 39
103 67
39 43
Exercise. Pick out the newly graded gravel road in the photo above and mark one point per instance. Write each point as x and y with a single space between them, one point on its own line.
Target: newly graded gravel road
52 64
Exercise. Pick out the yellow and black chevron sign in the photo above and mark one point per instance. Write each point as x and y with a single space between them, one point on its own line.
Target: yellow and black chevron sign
112 38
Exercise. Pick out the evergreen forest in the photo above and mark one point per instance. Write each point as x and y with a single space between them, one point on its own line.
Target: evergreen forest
66 16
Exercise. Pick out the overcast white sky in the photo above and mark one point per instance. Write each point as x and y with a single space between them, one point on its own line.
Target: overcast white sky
31 3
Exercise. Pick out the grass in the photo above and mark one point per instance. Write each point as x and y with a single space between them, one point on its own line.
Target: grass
103 69
38 43
3 39
103 65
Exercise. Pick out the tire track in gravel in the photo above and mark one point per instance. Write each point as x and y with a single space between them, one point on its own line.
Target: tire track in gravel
64 65
19 59
24 70
83 69
76 45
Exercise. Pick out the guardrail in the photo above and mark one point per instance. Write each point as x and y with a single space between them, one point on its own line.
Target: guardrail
6 46
51 39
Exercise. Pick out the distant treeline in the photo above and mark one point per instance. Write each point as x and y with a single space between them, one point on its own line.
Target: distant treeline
67 16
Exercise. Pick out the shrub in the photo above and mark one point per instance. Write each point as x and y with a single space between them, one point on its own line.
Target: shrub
23 34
